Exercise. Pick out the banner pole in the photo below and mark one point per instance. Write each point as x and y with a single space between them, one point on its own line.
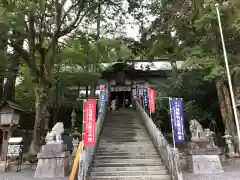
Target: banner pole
173 137
83 120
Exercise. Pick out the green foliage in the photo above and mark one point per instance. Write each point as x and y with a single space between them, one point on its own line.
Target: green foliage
78 78
180 30
25 94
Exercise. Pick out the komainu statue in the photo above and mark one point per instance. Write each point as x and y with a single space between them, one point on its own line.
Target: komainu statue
55 136
196 130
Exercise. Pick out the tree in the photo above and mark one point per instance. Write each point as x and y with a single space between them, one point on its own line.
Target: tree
188 30
46 23
3 56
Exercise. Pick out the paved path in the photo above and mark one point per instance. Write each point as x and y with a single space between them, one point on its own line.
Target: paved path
231 172
24 175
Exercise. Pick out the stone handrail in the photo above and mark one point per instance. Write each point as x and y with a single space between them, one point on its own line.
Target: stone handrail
169 155
90 150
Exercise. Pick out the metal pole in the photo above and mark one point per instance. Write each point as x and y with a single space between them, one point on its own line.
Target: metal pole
228 75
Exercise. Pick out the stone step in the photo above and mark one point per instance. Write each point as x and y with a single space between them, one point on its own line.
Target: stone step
126 145
99 157
127 151
126 140
149 150
105 153
122 126
121 145
134 177
128 173
123 122
157 161
121 131
124 164
108 137
133 149
123 136
136 168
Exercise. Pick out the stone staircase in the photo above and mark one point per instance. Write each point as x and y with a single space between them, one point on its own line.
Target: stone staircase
125 151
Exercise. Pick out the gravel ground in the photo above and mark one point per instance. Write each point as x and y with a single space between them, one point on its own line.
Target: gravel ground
26 174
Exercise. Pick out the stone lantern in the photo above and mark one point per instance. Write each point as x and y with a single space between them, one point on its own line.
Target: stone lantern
75 133
73 119
9 121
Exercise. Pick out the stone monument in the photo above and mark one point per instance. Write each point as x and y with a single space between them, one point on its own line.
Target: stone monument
53 159
202 153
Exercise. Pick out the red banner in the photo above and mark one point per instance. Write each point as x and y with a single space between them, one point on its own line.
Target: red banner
151 98
89 107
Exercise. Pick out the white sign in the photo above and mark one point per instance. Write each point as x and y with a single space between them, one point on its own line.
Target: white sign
15 140
120 88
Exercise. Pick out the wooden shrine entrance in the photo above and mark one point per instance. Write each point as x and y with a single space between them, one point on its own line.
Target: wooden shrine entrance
123 95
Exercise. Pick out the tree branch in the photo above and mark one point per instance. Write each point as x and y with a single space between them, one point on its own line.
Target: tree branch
25 55
78 19
69 10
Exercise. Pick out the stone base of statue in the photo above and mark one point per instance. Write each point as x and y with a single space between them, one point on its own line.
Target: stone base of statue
53 161
203 157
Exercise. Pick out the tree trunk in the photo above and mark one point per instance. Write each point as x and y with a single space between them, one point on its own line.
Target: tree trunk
93 90
3 49
40 108
1 84
174 70
230 122
9 87
223 107
94 86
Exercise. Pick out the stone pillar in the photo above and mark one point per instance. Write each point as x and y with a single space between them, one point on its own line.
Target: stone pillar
75 133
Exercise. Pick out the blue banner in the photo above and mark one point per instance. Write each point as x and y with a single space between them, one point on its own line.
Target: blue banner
102 100
176 106
145 99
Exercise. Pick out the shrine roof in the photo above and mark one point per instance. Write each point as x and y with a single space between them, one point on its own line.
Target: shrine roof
132 72
13 105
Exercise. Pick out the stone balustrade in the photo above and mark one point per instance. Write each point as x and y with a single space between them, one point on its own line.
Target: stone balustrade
169 155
